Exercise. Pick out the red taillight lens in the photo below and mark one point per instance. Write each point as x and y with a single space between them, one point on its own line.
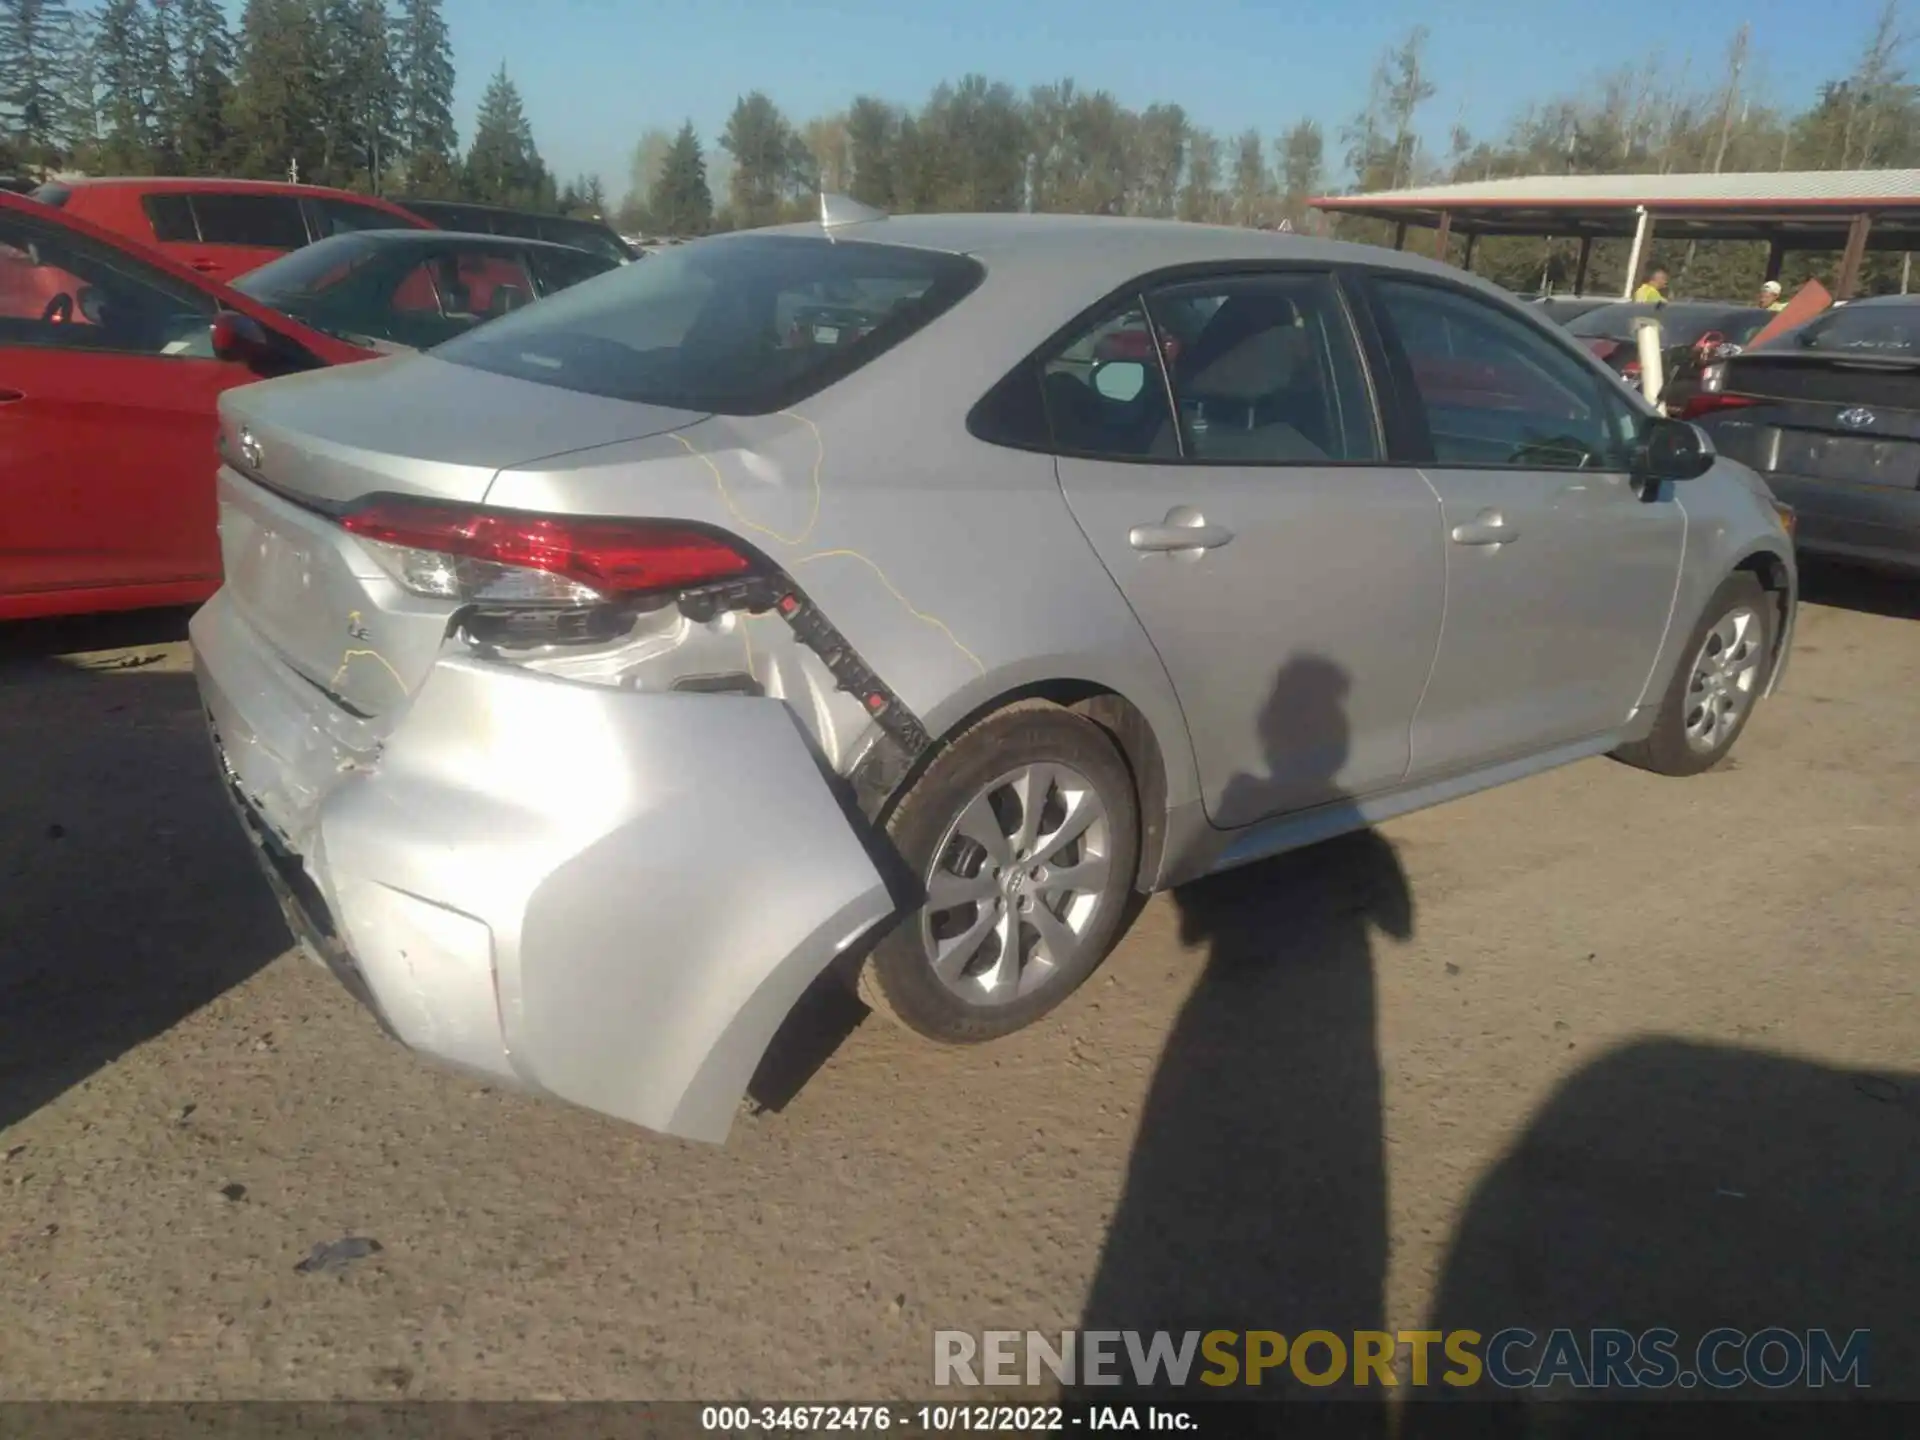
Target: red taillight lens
1706 402
458 553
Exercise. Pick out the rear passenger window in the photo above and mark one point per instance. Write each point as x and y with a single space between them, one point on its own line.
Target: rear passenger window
1496 393
1265 371
171 217
338 217
557 269
1105 393
268 222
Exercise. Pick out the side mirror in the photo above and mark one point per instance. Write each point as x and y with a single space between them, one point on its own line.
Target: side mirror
1120 380
1674 450
245 341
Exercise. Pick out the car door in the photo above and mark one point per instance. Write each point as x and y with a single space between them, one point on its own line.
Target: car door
1561 565
107 431
1235 484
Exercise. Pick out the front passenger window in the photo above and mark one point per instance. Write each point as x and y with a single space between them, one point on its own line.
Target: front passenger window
1498 394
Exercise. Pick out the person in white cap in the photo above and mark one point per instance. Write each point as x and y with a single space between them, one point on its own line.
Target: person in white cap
1770 296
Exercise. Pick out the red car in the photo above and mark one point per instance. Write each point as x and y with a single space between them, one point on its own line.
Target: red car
223 228
108 380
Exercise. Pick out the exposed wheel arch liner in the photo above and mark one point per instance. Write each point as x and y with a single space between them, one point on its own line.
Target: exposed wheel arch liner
879 778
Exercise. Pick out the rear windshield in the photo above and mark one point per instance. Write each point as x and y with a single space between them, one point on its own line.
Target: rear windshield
1870 329
303 273
1679 325
739 325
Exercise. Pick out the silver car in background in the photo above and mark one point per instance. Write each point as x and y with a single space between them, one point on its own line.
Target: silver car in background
900 595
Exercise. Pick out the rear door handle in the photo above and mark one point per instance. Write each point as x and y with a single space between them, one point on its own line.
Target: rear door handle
1184 531
1489 527
205 267
7 397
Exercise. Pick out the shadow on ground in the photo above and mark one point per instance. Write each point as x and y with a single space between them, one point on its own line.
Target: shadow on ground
1872 592
128 897
1688 1186
1256 1195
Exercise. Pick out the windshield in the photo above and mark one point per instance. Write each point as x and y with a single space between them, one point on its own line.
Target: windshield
739 325
1865 329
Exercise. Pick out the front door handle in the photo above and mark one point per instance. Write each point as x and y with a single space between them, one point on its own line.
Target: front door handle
1185 531
1489 527
205 267
7 397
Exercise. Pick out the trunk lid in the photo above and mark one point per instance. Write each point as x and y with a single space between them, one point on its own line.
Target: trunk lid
302 448
1837 418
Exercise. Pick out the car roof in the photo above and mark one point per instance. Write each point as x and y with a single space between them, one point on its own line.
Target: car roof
1113 249
485 208
163 184
1889 300
399 236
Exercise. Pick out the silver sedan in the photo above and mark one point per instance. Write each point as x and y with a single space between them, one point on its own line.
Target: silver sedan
898 595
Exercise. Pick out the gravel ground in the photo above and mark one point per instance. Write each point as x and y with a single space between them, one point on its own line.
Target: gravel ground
1595 1048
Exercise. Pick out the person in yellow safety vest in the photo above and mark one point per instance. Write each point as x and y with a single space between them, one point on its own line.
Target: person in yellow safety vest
1770 296
1653 290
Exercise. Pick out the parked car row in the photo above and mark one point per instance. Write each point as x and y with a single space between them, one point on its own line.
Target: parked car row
112 354
225 227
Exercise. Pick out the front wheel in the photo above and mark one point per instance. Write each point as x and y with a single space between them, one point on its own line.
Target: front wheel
1025 836
1712 694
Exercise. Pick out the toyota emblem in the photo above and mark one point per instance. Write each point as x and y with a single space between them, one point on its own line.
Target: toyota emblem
252 454
1858 418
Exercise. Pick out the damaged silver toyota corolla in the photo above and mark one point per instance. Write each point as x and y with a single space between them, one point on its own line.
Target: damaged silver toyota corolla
902 594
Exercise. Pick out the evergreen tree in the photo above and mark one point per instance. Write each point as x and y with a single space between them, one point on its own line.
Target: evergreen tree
29 101
120 67
680 202
160 75
206 87
76 91
873 130
362 94
279 105
504 166
423 60
768 160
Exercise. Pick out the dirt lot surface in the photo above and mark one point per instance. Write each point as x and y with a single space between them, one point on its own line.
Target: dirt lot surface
1595 1048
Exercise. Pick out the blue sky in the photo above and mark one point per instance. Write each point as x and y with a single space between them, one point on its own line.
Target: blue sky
596 73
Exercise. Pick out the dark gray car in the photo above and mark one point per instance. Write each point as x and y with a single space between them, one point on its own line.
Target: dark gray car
1829 413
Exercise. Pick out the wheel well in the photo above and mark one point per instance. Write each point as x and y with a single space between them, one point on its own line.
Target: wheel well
1112 712
1771 571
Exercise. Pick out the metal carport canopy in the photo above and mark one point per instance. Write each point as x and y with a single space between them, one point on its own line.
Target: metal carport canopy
1767 205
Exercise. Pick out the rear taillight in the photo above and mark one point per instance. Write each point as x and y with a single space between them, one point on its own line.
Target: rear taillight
454 552
1708 402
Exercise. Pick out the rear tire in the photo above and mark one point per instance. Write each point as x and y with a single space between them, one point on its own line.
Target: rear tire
1024 836
1719 680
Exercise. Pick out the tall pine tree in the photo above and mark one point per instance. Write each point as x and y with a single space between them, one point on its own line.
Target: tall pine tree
504 166
203 136
29 101
279 102
362 94
680 203
162 79
423 59
120 55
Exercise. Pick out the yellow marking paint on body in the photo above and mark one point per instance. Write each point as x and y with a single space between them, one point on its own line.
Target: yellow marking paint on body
894 590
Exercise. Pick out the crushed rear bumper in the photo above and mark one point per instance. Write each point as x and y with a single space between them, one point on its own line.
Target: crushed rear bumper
609 897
